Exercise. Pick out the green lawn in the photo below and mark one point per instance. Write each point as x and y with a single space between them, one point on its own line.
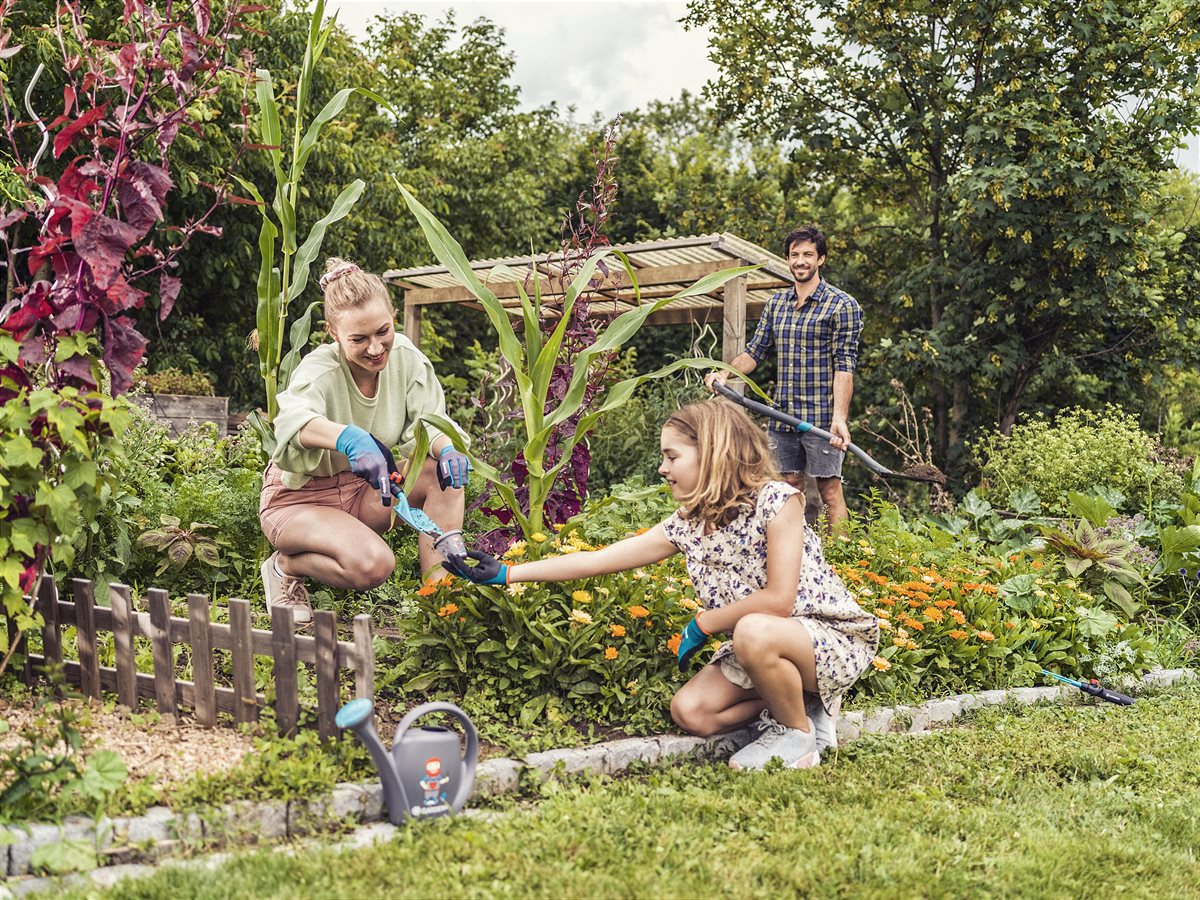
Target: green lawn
1047 802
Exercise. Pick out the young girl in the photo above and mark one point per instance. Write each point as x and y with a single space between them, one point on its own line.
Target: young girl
346 403
795 628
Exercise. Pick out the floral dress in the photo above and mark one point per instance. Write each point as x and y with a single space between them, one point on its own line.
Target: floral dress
731 563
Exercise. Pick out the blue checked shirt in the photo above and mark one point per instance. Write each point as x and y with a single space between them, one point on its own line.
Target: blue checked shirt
811 343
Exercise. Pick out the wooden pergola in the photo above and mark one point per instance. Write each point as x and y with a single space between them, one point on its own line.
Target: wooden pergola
663 267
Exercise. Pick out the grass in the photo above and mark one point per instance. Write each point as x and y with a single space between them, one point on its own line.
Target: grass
1044 802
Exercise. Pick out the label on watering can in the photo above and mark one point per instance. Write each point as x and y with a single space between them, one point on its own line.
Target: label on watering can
433 785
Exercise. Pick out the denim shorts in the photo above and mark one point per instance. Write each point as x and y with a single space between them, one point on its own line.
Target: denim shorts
796 451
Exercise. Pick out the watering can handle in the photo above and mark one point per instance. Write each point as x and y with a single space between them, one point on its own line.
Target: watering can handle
472 750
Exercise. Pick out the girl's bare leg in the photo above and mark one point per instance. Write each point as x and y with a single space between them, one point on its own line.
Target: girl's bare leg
777 653
710 704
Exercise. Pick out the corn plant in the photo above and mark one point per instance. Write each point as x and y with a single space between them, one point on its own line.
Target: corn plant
533 361
284 263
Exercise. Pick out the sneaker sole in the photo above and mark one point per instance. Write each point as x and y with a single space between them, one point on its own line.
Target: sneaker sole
809 761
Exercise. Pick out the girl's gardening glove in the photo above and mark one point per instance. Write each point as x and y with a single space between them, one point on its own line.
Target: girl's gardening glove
692 639
453 468
487 569
366 460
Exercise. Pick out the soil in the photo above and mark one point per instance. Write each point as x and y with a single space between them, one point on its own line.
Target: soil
149 746
923 472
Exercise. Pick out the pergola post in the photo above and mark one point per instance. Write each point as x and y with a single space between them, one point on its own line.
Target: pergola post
733 334
412 322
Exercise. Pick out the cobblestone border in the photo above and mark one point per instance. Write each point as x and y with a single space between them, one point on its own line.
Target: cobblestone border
128 842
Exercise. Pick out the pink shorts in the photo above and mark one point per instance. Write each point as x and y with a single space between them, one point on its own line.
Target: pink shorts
278 505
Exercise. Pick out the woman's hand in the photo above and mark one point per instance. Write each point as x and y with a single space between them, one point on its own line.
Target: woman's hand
453 468
366 460
487 569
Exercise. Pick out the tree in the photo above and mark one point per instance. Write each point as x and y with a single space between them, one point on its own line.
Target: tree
1023 142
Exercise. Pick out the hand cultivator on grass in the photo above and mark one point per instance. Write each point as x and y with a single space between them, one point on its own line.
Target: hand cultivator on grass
1094 688
923 473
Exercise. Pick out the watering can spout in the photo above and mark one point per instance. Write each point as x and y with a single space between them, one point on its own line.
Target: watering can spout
359 716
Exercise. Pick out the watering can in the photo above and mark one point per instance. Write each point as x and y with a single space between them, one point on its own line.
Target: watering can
425 775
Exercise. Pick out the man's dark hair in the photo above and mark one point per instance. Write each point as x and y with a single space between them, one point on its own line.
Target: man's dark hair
804 233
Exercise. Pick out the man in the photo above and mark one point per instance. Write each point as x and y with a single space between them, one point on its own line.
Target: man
813 328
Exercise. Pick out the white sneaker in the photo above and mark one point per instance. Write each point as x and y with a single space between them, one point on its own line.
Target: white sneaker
797 749
824 724
290 593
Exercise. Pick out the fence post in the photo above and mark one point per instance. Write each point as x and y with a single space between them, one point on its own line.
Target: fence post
283 648
164 651
364 662
126 660
202 659
85 637
245 700
47 593
325 631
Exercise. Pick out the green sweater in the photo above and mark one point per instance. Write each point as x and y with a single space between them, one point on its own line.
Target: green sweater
322 386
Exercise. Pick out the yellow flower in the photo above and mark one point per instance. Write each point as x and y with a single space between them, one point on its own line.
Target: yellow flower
885 624
537 537
518 588
687 582
898 642
688 603
617 630
578 615
516 549
448 610
581 596
881 664
610 652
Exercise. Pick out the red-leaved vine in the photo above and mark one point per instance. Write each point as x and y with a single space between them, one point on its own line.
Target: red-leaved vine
98 246
582 236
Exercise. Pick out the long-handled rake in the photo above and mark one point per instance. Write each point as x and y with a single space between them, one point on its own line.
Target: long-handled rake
922 473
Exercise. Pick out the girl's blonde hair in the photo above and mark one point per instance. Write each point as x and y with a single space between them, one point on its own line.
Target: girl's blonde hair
346 286
735 460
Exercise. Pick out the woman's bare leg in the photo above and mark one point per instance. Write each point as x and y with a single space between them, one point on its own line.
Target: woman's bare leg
335 548
446 508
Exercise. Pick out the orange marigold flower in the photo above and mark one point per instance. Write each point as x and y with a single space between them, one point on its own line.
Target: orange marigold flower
933 613
1036 564
883 614
886 601
638 612
881 664
898 641
985 636
448 610
427 588
990 589
446 581
910 644
673 643
958 634
610 652
641 531
914 603
943 604
885 624
617 630
958 616
922 595
1014 557
1010 625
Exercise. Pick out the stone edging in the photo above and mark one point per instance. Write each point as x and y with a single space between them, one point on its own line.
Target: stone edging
161 832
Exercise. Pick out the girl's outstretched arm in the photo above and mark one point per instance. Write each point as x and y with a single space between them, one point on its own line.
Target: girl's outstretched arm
640 550
785 556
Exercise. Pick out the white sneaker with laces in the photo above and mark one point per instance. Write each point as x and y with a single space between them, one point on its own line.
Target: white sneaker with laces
823 723
289 593
797 749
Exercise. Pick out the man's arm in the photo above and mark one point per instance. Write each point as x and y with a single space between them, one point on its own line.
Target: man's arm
843 390
743 362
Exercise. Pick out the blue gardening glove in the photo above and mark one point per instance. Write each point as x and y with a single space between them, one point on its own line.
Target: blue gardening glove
366 460
487 569
452 468
693 638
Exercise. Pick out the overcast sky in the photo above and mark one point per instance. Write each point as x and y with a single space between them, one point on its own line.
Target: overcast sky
602 56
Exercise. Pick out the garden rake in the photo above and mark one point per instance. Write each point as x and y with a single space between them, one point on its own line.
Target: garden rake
922 473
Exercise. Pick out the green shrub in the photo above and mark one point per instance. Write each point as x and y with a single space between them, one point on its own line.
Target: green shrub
1079 451
175 381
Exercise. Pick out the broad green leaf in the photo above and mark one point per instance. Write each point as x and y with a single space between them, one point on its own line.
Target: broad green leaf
1095 509
1095 622
308 253
64 856
19 452
1025 501
297 341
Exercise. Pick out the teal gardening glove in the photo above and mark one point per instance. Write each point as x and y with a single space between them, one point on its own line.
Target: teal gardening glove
692 639
366 459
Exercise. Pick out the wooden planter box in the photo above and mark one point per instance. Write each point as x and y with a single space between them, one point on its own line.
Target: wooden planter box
179 411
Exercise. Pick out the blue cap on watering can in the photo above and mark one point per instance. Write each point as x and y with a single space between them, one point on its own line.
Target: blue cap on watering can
427 773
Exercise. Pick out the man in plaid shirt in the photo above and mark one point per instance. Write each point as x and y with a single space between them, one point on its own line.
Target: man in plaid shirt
813 329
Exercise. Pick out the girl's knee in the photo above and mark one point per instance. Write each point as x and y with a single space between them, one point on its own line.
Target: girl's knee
753 633
689 713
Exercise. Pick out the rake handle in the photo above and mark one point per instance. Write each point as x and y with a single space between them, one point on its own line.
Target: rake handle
798 424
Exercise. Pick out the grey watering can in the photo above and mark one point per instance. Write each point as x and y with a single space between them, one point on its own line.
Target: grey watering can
425 775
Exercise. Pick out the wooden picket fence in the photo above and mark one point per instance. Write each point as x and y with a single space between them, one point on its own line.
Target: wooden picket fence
286 648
